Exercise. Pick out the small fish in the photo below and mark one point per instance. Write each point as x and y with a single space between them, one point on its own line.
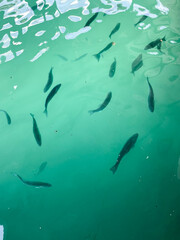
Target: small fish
103 105
62 57
141 20
49 82
33 183
41 168
98 55
112 68
137 63
7 116
154 43
36 132
91 20
79 58
115 29
126 148
150 97
50 96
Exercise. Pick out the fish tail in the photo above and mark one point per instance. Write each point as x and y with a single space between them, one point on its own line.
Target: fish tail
45 111
32 115
164 38
91 112
97 56
110 36
17 175
135 24
114 168
132 73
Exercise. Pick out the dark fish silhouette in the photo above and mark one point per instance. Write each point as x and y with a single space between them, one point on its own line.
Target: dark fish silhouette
49 82
7 116
36 132
62 57
91 20
115 29
41 168
141 20
33 183
103 105
126 148
112 68
137 63
98 55
50 96
154 43
150 97
79 58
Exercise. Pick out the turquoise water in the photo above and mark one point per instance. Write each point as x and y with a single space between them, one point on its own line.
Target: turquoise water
86 200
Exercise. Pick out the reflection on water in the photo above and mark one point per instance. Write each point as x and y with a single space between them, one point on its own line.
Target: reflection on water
19 16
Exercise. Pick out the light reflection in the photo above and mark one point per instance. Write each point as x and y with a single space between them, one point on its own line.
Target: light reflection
14 34
161 8
1 232
19 52
16 43
74 18
40 33
39 54
57 34
6 41
75 34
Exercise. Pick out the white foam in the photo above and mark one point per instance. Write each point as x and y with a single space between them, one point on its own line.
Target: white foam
1 232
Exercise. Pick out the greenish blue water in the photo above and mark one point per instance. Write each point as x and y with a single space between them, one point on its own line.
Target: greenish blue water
86 201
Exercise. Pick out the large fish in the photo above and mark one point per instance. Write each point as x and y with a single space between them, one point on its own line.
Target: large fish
98 55
126 148
49 82
7 116
115 29
154 43
103 105
36 132
33 183
41 168
137 63
150 97
141 20
91 20
50 96
112 68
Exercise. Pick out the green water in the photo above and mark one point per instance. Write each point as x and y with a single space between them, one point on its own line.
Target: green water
86 201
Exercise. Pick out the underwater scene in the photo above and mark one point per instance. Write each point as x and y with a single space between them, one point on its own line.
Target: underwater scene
89 120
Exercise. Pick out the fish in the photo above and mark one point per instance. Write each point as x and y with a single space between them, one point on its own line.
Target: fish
62 57
91 20
115 29
79 58
50 81
137 63
7 116
36 132
41 168
98 55
126 148
103 105
155 43
112 68
33 183
141 20
50 96
150 97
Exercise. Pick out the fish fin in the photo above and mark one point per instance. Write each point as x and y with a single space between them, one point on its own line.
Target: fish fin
114 168
164 38
110 36
97 56
135 24
91 112
32 115
45 111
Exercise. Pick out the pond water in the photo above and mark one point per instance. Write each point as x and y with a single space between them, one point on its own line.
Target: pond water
89 120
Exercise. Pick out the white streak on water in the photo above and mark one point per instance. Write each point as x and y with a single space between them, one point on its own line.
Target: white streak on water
14 34
8 55
147 26
24 29
16 43
48 17
172 41
1 232
153 53
57 34
6 26
62 29
6 41
36 21
57 14
19 52
99 21
164 10
162 27
39 54
75 34
74 18
40 33
115 8
143 11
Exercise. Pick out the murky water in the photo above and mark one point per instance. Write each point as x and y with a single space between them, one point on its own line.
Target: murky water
73 151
